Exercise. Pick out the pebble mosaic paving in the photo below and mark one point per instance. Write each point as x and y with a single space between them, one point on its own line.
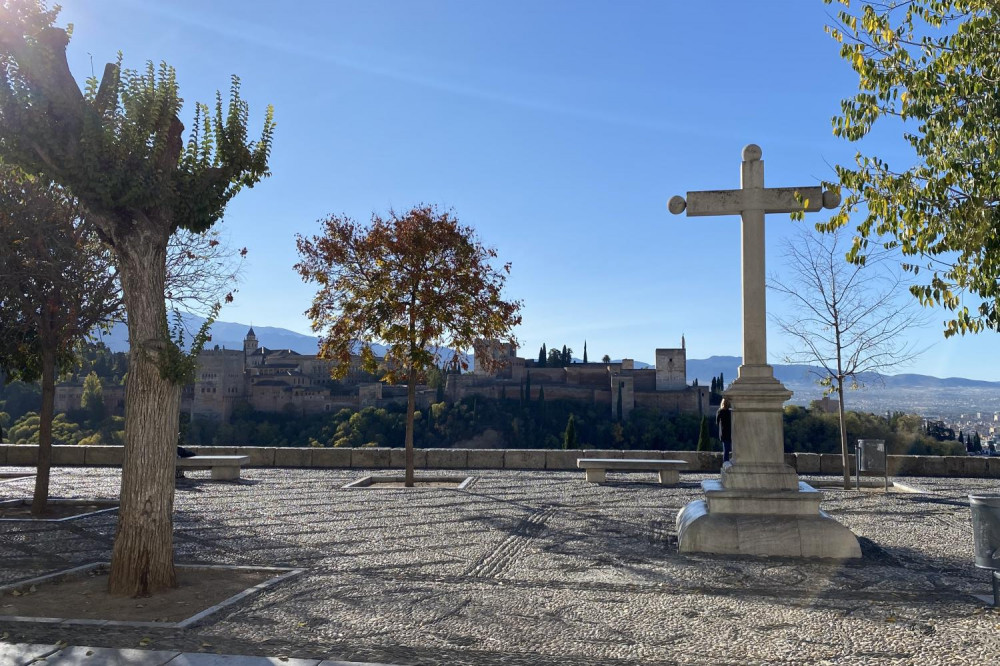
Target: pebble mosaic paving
535 567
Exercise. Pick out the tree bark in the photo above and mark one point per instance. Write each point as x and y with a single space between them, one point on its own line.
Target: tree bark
142 557
411 407
39 501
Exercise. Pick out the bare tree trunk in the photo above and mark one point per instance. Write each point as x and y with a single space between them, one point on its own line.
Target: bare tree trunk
843 435
411 407
39 501
142 558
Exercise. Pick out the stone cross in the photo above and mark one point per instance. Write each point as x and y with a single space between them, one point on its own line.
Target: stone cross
752 201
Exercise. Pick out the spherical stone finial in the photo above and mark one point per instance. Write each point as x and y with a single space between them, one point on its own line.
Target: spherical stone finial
831 199
751 152
676 205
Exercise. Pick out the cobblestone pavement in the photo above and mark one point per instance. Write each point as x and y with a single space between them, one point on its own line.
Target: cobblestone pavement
535 568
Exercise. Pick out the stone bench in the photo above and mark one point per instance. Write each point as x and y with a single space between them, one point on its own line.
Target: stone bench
596 468
224 468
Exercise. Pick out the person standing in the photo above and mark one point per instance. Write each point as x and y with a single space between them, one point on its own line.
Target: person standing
724 419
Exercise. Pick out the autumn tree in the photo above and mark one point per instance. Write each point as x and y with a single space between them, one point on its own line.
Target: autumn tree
844 318
929 71
418 283
119 146
57 283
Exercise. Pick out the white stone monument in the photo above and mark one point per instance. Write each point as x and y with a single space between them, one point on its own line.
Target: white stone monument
759 507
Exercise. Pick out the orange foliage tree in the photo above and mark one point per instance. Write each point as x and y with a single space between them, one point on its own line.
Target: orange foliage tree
419 283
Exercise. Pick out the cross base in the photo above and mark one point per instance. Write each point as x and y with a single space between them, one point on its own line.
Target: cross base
785 523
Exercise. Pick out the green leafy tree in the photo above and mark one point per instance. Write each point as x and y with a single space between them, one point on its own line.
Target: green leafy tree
57 283
927 69
555 359
119 146
92 399
569 436
418 283
541 356
605 359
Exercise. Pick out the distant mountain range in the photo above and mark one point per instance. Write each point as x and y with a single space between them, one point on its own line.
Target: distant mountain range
797 375
921 390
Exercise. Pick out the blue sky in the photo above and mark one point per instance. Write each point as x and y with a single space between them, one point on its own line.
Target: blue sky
558 130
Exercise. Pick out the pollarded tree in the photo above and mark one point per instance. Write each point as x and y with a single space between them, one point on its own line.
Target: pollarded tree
119 146
57 283
929 70
418 283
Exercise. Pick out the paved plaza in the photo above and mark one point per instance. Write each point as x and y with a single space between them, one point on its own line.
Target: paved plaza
534 567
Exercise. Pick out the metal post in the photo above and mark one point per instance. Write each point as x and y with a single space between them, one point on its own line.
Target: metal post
857 465
996 589
885 465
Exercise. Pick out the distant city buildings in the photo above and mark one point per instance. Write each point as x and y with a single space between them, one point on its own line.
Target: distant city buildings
663 388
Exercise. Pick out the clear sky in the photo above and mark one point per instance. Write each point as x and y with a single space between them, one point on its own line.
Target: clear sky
558 129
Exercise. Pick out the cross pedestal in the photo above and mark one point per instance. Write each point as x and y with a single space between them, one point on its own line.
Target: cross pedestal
759 506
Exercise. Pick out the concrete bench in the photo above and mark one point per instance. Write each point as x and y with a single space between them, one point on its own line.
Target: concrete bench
224 468
596 468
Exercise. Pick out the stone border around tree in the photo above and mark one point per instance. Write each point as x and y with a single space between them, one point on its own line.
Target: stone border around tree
286 573
8 477
56 500
371 482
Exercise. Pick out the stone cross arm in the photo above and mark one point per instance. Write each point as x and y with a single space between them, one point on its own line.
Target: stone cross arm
769 200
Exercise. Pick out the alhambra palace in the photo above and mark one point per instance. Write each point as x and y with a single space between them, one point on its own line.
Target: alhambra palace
285 381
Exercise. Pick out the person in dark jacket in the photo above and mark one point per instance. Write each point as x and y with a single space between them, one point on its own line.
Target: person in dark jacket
724 418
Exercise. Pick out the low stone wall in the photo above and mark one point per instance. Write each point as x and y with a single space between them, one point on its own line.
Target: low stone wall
554 459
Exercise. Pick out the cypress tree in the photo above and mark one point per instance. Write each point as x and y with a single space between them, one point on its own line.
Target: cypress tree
620 403
569 437
584 356
542 355
722 383
704 442
566 356
527 389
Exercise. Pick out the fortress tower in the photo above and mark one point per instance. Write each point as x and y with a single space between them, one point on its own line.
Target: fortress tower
250 342
671 368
